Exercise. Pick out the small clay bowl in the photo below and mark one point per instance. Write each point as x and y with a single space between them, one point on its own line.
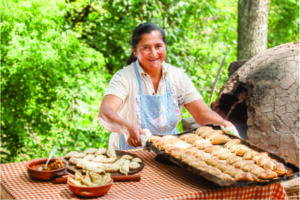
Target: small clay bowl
44 175
90 191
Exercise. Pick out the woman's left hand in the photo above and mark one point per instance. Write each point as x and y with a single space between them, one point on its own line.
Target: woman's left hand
203 115
226 124
229 128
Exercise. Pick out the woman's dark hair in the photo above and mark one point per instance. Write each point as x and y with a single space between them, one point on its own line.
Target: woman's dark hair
141 29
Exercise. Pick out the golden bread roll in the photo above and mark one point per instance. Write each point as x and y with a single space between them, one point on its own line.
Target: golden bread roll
232 142
245 176
201 155
226 177
223 166
220 151
268 174
189 137
212 162
241 163
200 131
224 156
212 148
207 135
219 139
201 144
249 155
280 169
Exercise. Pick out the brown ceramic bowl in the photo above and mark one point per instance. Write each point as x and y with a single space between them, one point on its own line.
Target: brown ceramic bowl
45 175
86 191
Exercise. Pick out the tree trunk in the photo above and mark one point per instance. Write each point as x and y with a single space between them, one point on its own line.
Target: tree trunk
252 27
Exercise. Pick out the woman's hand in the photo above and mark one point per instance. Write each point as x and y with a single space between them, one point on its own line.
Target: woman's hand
204 115
109 118
134 137
226 124
229 128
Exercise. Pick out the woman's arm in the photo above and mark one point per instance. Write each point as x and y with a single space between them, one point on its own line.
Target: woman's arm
204 115
110 119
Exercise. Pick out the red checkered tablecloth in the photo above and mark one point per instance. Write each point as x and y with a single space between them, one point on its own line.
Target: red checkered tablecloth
159 181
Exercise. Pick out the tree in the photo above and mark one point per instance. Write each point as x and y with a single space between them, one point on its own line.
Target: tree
50 82
252 27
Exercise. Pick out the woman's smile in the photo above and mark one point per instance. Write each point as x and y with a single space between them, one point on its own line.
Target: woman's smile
154 60
151 52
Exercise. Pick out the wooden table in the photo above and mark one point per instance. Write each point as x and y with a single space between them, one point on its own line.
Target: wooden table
159 181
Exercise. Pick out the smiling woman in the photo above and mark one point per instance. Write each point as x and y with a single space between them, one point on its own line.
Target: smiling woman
151 53
150 94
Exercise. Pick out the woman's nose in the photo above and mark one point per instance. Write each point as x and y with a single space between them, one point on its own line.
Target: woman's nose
153 52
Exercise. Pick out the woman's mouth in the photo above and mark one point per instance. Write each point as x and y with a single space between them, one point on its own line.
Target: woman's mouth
153 60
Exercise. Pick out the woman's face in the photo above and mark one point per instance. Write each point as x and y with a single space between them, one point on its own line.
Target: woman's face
151 51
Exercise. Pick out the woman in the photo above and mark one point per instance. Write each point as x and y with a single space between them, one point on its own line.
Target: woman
150 94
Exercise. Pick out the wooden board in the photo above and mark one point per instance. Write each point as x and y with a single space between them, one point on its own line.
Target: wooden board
71 168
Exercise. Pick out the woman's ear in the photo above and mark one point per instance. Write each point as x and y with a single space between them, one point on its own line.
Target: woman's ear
134 52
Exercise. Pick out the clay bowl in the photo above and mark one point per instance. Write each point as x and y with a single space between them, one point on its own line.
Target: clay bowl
87 191
44 175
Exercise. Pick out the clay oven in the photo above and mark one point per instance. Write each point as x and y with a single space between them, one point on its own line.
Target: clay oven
262 99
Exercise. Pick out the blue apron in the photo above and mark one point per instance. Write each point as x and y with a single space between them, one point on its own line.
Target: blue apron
158 113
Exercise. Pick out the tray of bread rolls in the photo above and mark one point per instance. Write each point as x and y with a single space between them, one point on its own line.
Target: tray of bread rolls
101 161
224 159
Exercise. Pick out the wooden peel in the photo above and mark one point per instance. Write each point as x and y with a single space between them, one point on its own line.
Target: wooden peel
60 180
134 177
216 80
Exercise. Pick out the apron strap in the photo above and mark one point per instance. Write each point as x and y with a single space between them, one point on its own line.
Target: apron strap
168 85
140 83
138 78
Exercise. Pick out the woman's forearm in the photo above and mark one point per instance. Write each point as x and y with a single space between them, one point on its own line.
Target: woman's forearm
108 115
209 117
110 119
203 115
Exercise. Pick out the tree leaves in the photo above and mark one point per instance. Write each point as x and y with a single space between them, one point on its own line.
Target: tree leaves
46 82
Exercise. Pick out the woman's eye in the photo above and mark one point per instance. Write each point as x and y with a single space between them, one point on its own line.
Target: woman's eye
145 48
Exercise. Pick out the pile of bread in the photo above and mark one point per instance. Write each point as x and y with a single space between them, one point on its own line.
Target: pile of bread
103 161
218 154
91 179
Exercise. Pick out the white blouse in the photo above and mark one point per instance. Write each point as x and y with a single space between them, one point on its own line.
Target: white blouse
124 85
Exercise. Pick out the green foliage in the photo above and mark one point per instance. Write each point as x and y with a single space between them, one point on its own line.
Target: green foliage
283 22
58 56
51 83
199 33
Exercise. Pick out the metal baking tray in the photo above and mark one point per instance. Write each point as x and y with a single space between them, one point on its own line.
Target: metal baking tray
293 170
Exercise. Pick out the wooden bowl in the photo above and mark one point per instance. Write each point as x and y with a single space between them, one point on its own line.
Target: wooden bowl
90 191
45 175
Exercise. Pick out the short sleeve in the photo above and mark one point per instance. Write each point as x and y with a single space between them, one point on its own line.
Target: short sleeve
188 89
118 85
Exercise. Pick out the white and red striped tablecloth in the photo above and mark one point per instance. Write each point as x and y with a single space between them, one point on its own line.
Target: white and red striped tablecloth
159 181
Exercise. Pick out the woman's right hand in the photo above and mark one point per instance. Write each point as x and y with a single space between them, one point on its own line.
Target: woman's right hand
134 137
